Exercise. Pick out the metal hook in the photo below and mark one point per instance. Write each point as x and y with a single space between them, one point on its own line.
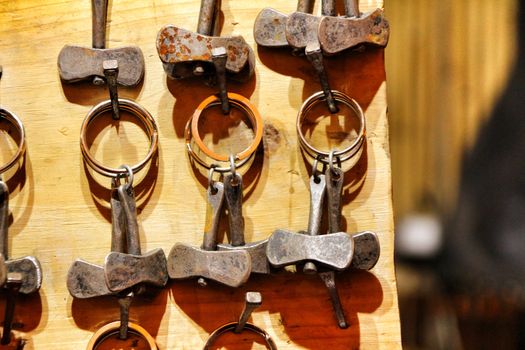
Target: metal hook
331 163
129 175
111 74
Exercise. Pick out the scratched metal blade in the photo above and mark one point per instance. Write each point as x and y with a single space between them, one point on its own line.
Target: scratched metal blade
30 270
269 28
257 252
301 29
76 63
231 268
177 45
340 33
334 250
86 280
4 218
123 271
367 250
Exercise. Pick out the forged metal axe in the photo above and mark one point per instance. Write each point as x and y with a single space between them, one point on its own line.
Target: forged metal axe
187 54
76 63
229 267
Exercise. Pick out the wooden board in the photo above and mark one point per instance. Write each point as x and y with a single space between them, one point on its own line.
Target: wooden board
60 209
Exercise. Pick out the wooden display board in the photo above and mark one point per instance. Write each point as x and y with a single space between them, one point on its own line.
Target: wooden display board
60 208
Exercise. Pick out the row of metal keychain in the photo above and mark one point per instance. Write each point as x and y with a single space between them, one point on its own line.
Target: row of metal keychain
126 271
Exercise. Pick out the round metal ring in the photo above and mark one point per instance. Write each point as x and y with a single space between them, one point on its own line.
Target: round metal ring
353 149
192 132
136 110
230 327
113 329
13 119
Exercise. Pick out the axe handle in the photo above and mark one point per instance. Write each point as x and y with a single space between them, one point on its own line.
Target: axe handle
118 225
4 217
209 17
317 194
328 7
213 215
352 8
334 189
304 6
233 196
129 206
99 18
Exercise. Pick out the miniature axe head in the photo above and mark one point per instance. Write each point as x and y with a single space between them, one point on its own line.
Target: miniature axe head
86 280
231 267
187 54
77 63
334 250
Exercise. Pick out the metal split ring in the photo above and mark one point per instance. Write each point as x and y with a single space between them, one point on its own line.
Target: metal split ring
353 150
113 329
192 132
230 327
13 119
135 109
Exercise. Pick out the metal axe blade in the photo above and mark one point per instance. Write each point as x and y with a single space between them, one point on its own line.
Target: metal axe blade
86 280
30 270
270 28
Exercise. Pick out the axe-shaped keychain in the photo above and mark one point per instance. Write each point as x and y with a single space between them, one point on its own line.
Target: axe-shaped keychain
300 30
76 63
231 267
336 250
22 275
125 270
188 54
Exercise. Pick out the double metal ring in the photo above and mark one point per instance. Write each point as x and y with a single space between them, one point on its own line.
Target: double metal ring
13 119
353 150
192 133
135 109
230 327
113 328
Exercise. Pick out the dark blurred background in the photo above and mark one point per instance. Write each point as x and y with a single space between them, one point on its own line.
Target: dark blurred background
456 99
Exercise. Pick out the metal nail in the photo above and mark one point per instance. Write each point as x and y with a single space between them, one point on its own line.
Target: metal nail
251 302
14 282
111 74
124 303
220 58
315 56
328 278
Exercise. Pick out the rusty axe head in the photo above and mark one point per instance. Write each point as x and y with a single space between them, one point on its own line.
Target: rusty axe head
86 280
181 50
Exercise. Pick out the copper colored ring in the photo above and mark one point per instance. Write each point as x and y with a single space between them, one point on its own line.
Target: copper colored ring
135 109
113 328
236 101
354 149
13 119
230 327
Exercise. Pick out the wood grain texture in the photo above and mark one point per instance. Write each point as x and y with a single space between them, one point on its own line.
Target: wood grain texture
61 212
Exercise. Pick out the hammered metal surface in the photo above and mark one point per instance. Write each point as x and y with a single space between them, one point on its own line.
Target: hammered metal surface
231 268
334 250
340 33
123 271
178 46
76 63
86 280
366 251
301 29
257 251
30 270
269 28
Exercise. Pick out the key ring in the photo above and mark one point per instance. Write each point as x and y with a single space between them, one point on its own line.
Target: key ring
230 327
112 329
13 119
192 132
136 110
353 150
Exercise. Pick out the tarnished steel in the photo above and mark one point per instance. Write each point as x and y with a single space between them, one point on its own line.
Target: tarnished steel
336 34
252 301
181 50
28 268
86 280
208 17
328 8
213 215
317 195
328 278
123 271
352 8
301 29
30 272
111 74
257 251
269 28
366 251
231 268
76 63
334 250
334 198
220 59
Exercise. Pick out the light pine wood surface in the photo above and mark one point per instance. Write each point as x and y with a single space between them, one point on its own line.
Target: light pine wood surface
60 208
